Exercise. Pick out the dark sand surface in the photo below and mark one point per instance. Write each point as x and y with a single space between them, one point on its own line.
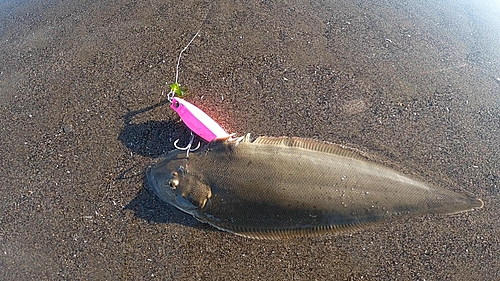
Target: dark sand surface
80 83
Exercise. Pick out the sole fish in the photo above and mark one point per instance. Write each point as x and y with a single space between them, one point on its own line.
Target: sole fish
272 188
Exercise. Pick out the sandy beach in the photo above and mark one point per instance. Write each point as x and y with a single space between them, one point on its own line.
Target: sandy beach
83 114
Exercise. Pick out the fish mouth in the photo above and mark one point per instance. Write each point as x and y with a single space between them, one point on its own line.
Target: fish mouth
157 180
160 167
152 183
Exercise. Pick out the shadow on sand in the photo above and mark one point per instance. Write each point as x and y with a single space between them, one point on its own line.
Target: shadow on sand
147 206
154 139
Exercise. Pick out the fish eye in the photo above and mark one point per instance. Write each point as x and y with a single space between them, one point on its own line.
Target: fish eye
176 104
173 183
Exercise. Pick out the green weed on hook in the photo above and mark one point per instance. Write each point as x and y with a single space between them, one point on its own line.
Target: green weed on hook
178 90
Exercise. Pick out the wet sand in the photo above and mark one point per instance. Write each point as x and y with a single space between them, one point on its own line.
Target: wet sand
83 116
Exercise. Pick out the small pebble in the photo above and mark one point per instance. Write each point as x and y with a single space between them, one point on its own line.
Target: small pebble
67 128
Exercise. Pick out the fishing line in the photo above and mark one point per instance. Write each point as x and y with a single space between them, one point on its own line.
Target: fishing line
194 118
176 84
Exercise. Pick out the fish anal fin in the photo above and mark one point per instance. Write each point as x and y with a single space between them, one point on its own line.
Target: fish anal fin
277 233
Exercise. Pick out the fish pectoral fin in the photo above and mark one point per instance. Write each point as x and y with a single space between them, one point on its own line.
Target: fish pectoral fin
314 145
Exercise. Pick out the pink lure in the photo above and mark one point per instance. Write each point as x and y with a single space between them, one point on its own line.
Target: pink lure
197 120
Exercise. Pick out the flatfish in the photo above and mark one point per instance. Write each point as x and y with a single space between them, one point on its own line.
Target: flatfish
279 187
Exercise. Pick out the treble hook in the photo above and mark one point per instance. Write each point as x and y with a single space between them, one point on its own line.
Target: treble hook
188 147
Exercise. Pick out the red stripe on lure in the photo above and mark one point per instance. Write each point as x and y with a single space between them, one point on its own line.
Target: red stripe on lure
197 120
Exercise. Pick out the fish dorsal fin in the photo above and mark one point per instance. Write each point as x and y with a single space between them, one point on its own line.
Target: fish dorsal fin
314 145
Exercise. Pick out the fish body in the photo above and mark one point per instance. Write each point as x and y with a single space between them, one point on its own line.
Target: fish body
272 188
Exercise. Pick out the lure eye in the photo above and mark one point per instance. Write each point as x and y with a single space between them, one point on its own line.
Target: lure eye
176 104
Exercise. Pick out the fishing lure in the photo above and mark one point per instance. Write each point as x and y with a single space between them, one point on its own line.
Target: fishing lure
198 121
